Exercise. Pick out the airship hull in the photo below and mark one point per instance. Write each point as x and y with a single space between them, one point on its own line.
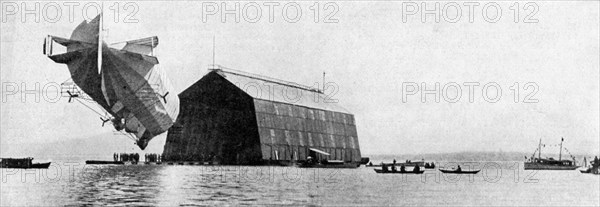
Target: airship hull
128 85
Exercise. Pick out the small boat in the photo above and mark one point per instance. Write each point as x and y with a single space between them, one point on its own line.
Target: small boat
398 172
23 163
595 171
43 165
325 163
407 164
592 169
459 171
329 164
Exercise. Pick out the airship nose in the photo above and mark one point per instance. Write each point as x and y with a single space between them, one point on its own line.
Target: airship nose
142 144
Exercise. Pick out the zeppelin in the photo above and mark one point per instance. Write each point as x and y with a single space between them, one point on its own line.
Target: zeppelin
127 83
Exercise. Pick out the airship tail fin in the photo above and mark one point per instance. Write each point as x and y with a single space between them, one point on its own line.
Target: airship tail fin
144 46
65 57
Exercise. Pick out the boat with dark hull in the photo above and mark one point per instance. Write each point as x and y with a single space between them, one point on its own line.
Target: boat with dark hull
407 164
103 162
595 171
539 163
550 164
325 163
329 164
398 172
23 163
457 171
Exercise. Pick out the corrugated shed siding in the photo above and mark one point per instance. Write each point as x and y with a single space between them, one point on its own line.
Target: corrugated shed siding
287 131
218 118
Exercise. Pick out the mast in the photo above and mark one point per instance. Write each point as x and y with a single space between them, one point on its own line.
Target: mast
560 153
323 82
213 57
540 149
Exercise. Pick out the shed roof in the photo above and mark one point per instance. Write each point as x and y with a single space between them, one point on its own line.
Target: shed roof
270 89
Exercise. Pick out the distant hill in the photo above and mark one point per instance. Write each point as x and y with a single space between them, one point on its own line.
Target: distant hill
100 146
103 146
465 156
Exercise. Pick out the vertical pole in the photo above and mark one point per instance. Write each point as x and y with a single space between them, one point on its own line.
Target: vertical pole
540 150
213 57
560 153
323 82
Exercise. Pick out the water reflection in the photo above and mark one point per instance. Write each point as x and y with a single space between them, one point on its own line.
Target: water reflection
130 185
171 185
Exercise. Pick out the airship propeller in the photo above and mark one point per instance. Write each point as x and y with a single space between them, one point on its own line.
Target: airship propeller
104 121
164 97
71 96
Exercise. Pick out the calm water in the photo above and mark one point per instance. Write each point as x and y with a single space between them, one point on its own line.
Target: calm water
73 183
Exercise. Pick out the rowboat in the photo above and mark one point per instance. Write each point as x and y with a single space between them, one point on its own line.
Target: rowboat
460 171
398 172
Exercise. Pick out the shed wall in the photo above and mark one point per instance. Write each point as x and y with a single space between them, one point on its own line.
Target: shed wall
288 131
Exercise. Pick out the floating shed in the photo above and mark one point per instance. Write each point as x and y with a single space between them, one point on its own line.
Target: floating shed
233 117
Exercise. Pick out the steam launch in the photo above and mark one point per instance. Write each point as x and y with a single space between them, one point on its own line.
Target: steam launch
135 94
539 163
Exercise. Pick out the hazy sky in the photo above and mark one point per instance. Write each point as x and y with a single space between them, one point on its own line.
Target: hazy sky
369 53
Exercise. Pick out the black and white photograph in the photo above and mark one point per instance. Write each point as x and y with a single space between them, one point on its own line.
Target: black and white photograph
300 103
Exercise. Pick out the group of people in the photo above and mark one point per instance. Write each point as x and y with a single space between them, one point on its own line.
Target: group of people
384 167
135 157
427 165
152 157
125 157
594 166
